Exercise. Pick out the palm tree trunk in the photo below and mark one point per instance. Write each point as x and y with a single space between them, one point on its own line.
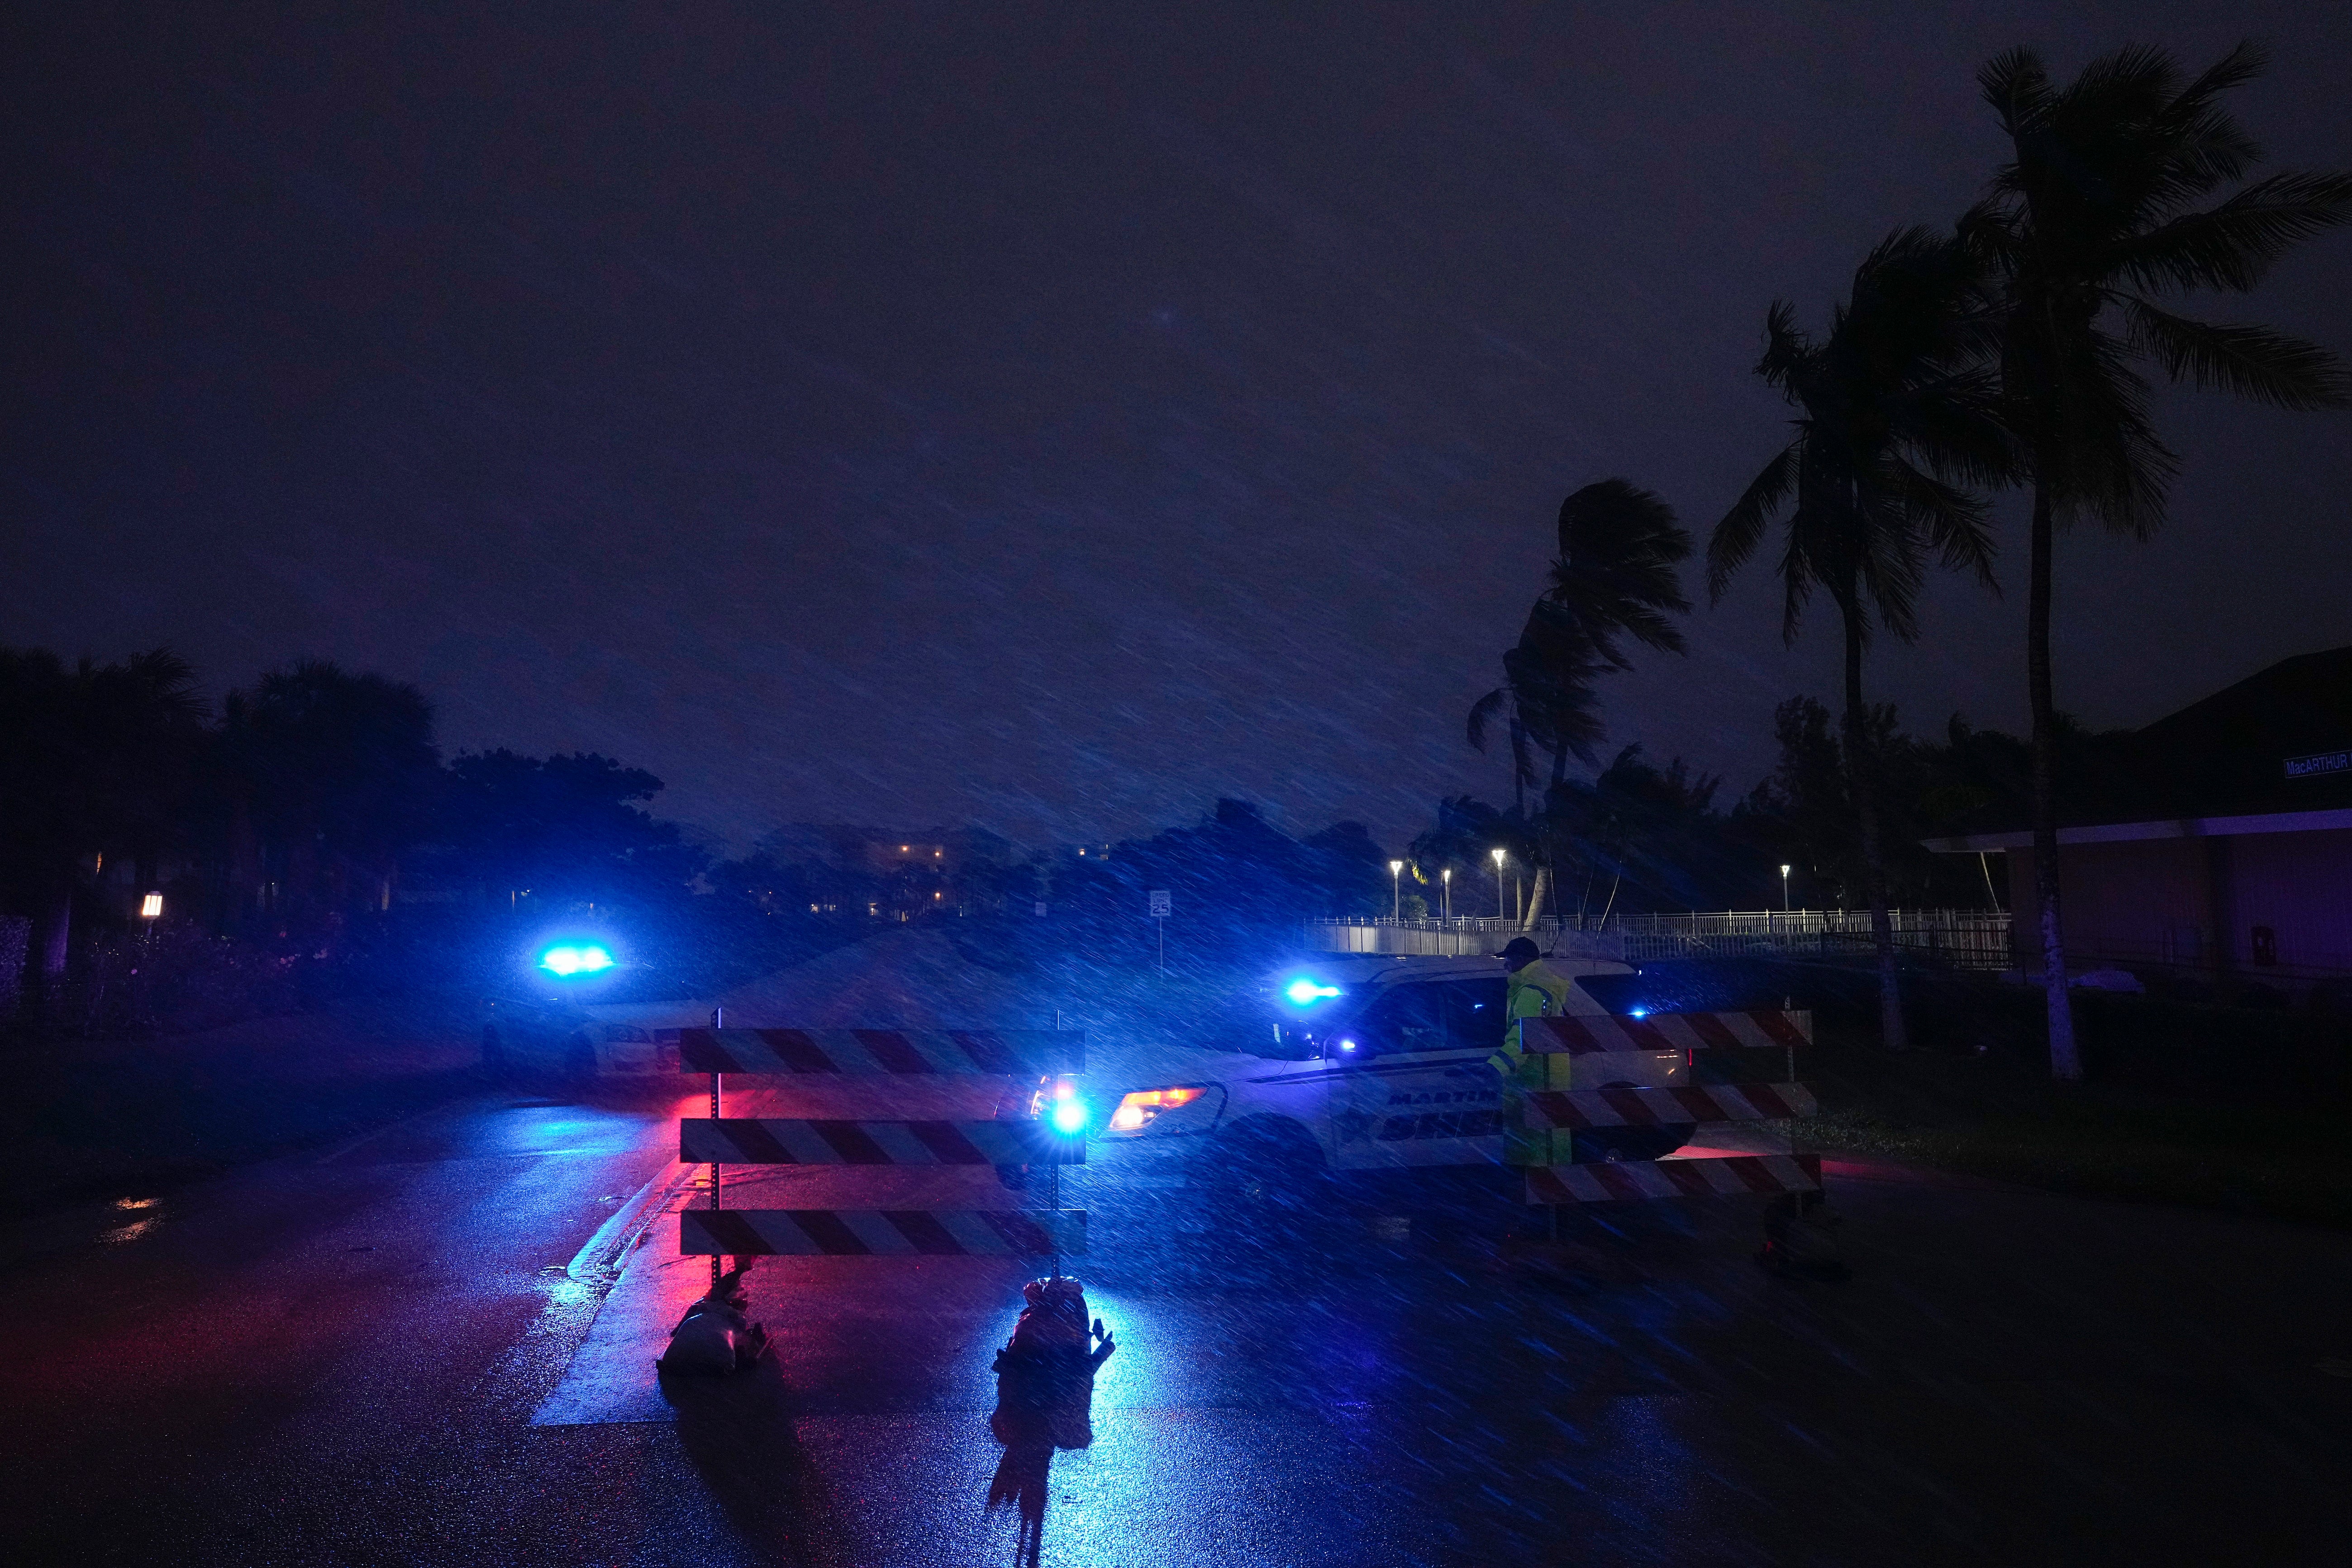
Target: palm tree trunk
1535 904
1860 763
2065 1061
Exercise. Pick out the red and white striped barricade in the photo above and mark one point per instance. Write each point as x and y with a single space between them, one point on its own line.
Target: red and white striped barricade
774 1140
1004 1057
1765 1030
881 1233
996 1053
1721 1176
1731 1059
1580 1108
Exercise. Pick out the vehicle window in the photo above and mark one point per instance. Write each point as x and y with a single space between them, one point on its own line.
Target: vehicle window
1409 1019
1251 1025
1474 1013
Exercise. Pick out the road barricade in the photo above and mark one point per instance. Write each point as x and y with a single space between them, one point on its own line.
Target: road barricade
1024 1067
771 1140
1739 1067
1575 1107
881 1233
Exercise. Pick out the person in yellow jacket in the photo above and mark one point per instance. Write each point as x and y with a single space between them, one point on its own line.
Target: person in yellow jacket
1538 991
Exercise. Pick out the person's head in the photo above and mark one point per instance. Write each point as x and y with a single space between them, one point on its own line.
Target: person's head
1518 953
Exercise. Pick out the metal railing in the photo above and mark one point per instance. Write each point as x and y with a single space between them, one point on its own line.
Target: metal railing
1957 939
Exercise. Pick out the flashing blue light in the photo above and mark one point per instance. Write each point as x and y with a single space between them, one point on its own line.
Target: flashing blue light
586 958
1304 991
1346 1045
1641 1011
1069 1116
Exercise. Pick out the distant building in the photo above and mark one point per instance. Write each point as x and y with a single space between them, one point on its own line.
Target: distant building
2230 859
904 873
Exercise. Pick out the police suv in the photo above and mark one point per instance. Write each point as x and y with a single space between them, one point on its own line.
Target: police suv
1361 1063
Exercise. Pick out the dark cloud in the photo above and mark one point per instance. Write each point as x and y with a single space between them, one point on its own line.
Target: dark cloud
1056 416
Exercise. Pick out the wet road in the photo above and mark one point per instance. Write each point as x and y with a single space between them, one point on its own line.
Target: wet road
339 1357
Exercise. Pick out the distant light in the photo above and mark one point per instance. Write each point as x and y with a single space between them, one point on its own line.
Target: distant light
1641 1011
1499 857
151 907
1784 870
1346 1045
1304 991
565 962
1395 866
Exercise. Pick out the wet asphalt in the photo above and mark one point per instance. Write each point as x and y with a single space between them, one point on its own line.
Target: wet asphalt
334 1358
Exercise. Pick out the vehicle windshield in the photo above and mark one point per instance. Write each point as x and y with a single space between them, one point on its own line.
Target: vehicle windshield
1255 1026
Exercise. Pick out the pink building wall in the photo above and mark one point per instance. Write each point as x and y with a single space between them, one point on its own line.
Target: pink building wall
2195 903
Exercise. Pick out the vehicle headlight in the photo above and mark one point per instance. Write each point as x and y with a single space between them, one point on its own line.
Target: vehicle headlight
1137 1109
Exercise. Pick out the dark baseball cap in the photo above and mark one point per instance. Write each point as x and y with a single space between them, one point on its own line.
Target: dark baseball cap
1519 951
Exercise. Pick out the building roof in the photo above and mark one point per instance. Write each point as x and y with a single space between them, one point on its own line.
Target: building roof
2274 746
2237 751
2130 832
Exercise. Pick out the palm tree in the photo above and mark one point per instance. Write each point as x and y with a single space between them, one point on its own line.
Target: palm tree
1895 410
1615 576
2095 215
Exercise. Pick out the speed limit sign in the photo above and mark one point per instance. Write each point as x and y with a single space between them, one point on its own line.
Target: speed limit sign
1160 903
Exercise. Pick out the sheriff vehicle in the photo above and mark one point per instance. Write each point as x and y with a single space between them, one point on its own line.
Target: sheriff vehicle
1357 1064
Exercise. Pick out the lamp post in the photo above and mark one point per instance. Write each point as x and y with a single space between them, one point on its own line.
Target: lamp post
1499 884
1446 887
1396 890
1784 889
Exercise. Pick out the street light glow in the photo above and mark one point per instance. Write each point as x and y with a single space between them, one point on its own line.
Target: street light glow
151 907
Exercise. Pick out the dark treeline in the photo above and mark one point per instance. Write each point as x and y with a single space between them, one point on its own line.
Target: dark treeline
308 827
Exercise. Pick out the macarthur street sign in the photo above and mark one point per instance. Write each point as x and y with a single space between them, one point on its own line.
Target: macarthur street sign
2319 763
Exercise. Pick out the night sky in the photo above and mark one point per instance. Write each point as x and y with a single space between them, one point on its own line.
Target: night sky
1047 416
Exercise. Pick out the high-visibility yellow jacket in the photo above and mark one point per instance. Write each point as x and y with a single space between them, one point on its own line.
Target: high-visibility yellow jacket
1538 991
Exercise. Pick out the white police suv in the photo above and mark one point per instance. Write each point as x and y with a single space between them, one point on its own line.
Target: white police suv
1355 1063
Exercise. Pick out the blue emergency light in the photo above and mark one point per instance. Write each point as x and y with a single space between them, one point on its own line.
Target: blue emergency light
1306 993
568 959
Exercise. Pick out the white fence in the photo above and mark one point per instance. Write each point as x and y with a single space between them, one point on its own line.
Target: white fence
1955 939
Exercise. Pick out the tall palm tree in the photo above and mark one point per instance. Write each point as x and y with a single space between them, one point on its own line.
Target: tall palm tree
2096 214
1897 416
1615 576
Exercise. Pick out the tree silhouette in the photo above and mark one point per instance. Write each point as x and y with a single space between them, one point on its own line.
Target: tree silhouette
2096 215
329 775
1894 407
1614 578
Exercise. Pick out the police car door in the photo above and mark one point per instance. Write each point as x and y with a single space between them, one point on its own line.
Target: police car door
1405 1090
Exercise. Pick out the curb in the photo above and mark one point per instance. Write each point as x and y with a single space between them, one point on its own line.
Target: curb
600 1261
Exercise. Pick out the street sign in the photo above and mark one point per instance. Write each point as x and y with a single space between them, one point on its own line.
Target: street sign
1160 904
2303 767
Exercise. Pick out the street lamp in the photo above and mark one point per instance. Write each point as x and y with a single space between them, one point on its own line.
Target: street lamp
1396 890
1499 884
151 908
1446 885
1784 889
